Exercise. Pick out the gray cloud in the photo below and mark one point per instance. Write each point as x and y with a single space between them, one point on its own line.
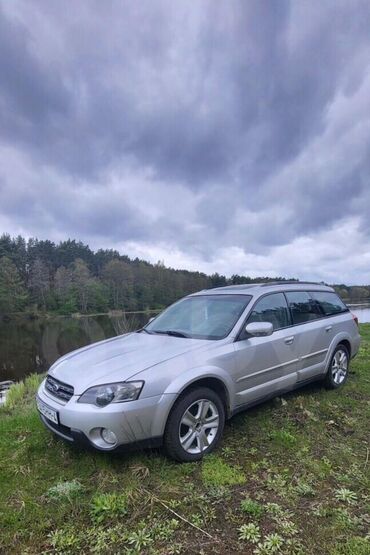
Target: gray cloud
203 127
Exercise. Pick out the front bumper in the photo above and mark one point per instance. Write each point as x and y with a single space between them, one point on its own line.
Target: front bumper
135 423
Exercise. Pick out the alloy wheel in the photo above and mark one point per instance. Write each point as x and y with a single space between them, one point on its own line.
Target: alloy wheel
198 426
339 367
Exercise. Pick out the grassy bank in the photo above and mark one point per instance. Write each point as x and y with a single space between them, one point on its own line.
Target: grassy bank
291 476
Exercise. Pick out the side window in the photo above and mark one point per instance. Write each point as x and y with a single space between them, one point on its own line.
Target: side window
272 308
330 302
303 307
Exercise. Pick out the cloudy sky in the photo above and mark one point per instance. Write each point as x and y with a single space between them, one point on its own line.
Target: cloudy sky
229 136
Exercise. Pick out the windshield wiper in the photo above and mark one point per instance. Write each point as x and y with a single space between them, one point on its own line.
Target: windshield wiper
174 333
144 329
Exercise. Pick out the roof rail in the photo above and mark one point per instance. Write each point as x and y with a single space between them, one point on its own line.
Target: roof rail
292 282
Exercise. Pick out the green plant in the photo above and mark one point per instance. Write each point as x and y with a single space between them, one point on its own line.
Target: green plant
271 544
304 488
64 540
64 490
175 549
165 530
276 483
251 507
208 512
228 451
288 528
274 509
196 519
277 512
355 472
321 511
216 472
15 395
140 539
346 495
173 503
22 392
344 519
293 546
108 505
327 462
32 382
100 540
250 532
218 493
262 464
283 438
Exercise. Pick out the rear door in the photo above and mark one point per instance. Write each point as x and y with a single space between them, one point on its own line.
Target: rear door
312 333
266 365
333 309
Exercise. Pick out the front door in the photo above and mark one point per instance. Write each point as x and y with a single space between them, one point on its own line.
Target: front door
265 366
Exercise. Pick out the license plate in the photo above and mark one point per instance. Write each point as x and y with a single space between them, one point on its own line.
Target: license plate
47 411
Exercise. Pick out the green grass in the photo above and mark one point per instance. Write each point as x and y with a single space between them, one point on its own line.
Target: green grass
251 508
15 395
290 477
216 472
107 506
22 393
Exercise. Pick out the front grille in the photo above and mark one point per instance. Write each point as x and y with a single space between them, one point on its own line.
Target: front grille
59 389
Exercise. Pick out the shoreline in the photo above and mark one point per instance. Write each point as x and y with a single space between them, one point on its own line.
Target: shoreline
50 315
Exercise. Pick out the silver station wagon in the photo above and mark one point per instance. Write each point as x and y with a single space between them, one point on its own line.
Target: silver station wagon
208 356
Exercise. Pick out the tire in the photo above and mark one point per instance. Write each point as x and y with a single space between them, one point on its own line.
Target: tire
337 373
195 425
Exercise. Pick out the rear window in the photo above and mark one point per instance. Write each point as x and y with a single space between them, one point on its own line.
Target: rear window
330 302
303 307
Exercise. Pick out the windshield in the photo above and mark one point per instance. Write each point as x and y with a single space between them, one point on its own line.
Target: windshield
201 317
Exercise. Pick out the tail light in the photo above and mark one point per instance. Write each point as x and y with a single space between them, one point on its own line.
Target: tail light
355 319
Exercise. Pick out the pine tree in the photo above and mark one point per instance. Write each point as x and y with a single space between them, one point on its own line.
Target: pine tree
39 281
119 279
13 295
81 279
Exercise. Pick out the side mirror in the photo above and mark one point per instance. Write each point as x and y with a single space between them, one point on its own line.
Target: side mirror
259 329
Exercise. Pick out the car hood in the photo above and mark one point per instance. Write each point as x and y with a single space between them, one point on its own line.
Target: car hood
119 359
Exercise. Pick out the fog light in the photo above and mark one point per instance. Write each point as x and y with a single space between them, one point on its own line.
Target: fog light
108 436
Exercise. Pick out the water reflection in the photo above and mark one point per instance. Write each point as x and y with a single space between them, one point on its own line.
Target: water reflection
28 346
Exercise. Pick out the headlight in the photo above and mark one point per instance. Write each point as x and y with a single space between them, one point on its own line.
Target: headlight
102 395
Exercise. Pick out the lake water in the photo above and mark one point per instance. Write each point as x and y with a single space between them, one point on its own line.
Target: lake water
28 346
362 311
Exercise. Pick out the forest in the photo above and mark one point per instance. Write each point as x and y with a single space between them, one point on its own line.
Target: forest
39 276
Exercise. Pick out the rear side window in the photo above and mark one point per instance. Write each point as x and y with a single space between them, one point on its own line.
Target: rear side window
272 308
303 307
330 302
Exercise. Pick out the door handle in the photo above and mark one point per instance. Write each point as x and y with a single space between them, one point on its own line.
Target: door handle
289 340
328 328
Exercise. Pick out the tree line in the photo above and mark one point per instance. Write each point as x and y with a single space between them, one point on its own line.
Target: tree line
69 277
